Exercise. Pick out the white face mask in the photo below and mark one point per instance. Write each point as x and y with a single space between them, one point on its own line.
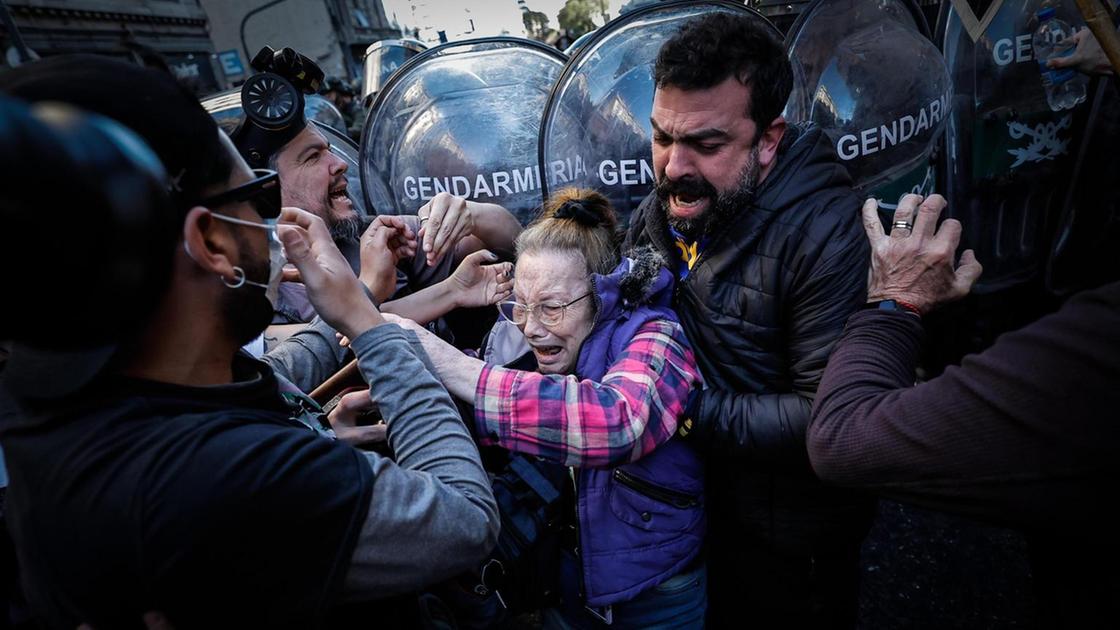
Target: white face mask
276 258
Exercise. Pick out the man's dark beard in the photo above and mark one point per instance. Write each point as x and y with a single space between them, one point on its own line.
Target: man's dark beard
347 229
246 310
724 205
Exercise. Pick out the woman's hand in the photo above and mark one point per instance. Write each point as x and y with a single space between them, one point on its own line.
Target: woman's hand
479 284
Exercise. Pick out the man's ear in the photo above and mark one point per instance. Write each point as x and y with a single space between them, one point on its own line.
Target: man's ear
208 243
768 143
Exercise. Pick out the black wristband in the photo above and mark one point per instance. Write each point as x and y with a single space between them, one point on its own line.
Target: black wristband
894 305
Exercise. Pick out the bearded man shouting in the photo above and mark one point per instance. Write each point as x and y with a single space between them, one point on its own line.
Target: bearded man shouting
762 225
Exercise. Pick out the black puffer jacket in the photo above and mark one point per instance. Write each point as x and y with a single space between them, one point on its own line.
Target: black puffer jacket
762 308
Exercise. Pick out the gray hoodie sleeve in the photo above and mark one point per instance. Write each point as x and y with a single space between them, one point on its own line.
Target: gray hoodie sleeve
308 357
432 514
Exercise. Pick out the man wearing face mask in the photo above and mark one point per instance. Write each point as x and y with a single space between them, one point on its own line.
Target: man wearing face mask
763 226
167 471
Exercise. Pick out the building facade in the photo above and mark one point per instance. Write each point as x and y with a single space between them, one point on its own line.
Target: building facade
174 33
335 33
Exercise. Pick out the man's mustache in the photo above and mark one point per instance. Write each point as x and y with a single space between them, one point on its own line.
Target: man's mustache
693 187
338 181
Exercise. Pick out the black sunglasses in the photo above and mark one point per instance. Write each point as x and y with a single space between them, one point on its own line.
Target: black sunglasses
263 192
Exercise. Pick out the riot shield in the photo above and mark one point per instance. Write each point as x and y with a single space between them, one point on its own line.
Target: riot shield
867 73
1009 156
596 131
225 109
461 118
381 60
1087 234
574 47
323 111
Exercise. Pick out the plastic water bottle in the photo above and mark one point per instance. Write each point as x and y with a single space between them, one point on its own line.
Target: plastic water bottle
1065 87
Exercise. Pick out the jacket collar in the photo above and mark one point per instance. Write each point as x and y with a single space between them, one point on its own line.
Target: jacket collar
807 163
641 279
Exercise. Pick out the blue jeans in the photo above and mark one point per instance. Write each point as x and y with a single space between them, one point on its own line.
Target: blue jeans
679 602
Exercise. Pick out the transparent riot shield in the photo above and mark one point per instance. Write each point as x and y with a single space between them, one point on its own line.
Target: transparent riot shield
323 111
574 47
381 60
1009 156
596 131
462 118
868 74
225 109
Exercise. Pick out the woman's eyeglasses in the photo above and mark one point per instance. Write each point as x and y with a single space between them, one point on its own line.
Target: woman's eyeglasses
547 313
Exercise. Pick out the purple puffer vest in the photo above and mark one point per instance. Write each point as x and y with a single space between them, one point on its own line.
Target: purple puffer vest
639 523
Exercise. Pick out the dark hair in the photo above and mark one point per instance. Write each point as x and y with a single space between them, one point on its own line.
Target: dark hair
149 102
579 221
709 49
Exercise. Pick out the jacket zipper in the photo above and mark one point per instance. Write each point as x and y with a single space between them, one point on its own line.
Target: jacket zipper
676 499
575 473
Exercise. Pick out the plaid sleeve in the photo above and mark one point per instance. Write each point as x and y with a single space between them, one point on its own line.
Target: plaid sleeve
591 424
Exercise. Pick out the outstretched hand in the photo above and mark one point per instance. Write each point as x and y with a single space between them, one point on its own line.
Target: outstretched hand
444 221
458 372
406 323
916 265
481 282
385 242
332 287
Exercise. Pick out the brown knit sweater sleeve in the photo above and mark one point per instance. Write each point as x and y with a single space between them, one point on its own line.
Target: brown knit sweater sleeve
1026 431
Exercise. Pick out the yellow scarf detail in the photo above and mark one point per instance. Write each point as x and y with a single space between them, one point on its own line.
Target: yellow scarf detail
689 252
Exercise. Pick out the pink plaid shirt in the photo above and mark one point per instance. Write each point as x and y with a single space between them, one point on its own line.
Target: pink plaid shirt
592 424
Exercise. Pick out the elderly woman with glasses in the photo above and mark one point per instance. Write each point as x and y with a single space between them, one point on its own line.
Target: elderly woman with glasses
613 373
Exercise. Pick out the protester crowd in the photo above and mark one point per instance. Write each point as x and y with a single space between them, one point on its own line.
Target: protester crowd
678 423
